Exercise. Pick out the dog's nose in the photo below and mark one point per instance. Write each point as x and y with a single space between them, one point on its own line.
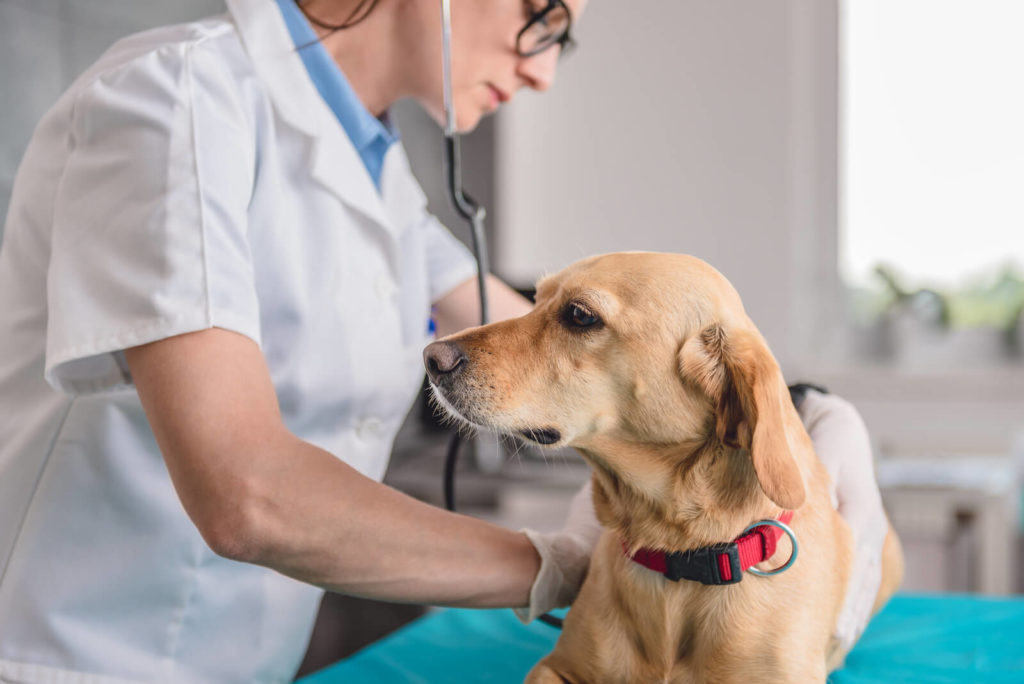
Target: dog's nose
444 360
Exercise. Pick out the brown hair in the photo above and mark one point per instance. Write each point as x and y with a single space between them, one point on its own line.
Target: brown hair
361 11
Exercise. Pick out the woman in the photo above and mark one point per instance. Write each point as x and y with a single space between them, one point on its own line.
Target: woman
215 288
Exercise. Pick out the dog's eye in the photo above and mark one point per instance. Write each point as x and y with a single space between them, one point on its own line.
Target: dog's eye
580 317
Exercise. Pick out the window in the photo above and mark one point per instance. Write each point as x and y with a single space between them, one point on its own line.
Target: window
932 159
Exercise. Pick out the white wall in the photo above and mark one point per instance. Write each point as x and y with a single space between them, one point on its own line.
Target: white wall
45 44
686 126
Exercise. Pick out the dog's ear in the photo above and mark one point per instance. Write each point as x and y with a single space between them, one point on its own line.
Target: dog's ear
741 378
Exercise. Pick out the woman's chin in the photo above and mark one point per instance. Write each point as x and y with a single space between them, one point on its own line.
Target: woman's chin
467 115
467 119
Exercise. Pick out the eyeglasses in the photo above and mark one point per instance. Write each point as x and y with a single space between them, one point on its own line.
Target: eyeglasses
545 28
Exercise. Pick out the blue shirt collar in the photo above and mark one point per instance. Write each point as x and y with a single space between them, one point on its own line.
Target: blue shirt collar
369 135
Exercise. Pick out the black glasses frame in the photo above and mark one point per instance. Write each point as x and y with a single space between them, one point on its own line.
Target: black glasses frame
565 41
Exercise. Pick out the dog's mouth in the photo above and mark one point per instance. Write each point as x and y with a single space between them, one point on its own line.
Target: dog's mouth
545 436
449 409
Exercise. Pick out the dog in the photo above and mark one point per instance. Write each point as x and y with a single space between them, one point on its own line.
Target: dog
647 364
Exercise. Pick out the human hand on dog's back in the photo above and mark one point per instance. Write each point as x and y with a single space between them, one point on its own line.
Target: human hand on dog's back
841 442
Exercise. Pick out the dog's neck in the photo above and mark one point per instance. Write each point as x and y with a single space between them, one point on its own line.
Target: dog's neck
698 495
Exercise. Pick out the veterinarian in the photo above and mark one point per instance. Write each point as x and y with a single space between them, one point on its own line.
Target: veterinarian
215 287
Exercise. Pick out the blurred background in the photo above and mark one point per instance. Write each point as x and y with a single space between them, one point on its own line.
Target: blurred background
856 169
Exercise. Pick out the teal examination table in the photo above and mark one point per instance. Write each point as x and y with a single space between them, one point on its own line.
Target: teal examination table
916 638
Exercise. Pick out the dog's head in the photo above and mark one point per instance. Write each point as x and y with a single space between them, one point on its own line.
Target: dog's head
640 361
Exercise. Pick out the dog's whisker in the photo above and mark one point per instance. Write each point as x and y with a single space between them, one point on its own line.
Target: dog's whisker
514 455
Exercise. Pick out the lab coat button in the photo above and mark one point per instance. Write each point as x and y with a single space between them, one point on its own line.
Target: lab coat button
368 428
384 287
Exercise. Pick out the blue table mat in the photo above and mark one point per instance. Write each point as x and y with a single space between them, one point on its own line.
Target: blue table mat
919 639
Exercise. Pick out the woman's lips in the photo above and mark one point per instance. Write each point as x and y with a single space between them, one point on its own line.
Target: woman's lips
497 97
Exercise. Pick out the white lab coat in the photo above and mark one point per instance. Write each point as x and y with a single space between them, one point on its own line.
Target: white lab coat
192 178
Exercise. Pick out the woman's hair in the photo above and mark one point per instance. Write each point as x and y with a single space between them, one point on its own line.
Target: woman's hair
358 14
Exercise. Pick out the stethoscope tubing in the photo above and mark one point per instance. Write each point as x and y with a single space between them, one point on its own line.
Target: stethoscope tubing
474 214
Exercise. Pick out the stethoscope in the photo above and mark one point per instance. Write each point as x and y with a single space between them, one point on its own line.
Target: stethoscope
474 214
468 209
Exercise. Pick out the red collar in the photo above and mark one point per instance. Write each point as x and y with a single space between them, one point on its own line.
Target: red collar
718 564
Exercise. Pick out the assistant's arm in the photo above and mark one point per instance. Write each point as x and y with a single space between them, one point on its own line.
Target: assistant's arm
842 443
259 494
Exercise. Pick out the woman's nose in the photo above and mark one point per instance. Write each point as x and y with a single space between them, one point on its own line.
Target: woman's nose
539 70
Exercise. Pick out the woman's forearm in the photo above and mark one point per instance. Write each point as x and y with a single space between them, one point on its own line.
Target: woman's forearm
258 493
460 308
324 523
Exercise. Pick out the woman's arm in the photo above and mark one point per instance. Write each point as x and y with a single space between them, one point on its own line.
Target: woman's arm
259 494
460 308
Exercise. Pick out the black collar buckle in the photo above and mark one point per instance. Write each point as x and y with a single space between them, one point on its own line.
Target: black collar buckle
702 565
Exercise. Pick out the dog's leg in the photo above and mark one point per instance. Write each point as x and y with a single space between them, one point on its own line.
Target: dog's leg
835 655
892 569
543 674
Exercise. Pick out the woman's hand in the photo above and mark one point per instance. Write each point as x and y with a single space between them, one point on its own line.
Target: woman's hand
841 442
565 557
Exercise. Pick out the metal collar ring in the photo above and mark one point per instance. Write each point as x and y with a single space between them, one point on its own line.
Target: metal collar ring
792 538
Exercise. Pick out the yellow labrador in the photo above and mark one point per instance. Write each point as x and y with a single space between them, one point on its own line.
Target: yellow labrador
648 365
